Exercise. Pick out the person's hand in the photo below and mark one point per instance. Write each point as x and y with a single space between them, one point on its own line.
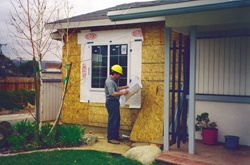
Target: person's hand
125 92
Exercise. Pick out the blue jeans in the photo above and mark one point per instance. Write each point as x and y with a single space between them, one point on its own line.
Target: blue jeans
113 107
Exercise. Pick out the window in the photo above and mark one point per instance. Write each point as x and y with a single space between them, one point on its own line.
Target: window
100 50
99 66
103 58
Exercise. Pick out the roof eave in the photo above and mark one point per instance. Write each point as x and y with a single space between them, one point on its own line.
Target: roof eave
172 9
102 22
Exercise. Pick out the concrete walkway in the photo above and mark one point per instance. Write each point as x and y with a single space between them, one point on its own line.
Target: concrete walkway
16 118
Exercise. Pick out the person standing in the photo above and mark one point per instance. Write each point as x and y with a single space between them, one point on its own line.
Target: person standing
113 93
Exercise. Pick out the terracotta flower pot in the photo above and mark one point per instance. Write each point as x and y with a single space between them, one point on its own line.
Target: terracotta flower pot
210 136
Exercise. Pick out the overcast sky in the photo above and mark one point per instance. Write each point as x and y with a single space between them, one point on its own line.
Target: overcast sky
79 7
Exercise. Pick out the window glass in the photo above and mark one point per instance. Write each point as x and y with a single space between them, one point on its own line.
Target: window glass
116 54
99 66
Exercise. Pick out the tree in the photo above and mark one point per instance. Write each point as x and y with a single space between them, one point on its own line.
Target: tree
28 20
33 15
7 67
27 69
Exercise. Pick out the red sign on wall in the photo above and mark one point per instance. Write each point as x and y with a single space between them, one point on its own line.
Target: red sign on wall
84 71
137 33
91 36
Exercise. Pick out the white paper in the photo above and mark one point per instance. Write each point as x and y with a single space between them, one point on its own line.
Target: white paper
134 87
124 49
122 100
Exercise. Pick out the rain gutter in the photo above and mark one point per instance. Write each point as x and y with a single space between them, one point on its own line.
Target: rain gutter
176 8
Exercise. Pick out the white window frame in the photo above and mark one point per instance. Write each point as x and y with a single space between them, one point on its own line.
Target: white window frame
108 72
131 37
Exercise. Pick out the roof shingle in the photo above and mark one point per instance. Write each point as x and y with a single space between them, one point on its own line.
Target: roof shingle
102 14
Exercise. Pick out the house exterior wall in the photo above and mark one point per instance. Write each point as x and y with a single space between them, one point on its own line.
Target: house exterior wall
73 110
223 66
149 123
223 69
231 118
95 114
137 120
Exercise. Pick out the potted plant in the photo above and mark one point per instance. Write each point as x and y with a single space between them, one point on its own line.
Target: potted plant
209 129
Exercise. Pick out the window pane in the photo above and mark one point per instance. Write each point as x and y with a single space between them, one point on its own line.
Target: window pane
99 66
122 81
123 60
98 82
119 55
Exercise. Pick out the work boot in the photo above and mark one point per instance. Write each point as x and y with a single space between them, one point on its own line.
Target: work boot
113 141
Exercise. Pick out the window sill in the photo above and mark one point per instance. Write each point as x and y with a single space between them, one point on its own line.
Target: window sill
96 90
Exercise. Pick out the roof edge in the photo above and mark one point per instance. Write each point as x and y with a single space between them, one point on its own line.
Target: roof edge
179 8
102 22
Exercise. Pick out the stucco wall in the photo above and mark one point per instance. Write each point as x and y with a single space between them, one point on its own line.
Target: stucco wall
231 118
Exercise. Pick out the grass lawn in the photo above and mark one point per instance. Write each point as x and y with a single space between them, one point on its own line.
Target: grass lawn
67 157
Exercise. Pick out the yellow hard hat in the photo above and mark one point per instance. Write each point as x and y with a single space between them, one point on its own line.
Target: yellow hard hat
117 68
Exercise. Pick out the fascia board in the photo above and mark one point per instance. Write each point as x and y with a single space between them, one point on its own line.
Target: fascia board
177 8
215 17
103 22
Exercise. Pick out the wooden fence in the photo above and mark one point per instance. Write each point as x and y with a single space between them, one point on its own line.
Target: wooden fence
17 83
52 91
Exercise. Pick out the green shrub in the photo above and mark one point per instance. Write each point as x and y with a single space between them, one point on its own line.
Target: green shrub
26 129
70 135
63 136
47 140
28 96
15 100
2 143
16 142
32 146
8 100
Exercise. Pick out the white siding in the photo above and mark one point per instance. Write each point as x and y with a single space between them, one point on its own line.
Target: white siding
223 66
52 94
